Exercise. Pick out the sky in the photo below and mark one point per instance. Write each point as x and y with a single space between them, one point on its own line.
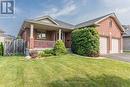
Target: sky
71 11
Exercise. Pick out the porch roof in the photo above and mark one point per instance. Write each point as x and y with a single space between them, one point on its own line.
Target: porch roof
55 22
40 25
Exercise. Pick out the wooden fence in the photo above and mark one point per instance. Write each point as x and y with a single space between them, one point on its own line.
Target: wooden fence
17 46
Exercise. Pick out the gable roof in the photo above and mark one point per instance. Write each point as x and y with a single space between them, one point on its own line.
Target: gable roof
39 19
64 25
7 36
99 19
55 21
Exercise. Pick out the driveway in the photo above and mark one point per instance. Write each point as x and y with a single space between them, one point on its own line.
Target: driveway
122 57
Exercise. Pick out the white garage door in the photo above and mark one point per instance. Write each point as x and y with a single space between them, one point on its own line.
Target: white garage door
115 46
103 45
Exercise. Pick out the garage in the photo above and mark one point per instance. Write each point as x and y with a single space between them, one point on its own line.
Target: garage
126 46
103 45
115 45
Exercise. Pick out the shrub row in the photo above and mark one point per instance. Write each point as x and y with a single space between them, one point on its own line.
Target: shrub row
59 49
46 53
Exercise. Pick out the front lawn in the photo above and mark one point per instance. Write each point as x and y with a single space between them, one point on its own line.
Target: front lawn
63 71
127 52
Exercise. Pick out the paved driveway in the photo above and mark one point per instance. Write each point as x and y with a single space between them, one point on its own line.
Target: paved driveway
123 57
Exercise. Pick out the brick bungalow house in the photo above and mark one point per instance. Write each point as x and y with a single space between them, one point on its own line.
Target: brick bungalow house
41 33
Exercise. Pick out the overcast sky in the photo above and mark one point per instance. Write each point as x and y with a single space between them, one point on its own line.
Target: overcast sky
71 11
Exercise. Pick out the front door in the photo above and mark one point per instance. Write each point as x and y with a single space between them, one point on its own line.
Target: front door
68 40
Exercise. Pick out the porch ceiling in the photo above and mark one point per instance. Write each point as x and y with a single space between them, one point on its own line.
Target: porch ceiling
45 26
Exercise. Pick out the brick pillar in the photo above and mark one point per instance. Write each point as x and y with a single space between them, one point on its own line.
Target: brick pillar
121 45
110 43
54 35
31 42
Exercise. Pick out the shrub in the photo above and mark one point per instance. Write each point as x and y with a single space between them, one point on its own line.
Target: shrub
59 48
49 51
1 49
33 54
85 41
46 53
41 54
18 54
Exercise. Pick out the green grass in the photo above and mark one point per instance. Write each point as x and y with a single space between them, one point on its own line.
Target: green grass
63 71
127 52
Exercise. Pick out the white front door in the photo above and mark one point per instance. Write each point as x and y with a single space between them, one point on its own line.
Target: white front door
103 45
115 46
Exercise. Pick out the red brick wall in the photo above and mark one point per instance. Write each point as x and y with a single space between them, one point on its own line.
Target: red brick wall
25 36
111 32
104 29
50 35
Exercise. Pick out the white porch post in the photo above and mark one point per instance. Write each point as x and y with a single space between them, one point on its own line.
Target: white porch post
31 43
31 30
110 42
59 34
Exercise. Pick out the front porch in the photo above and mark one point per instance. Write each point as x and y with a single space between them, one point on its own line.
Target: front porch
43 44
44 36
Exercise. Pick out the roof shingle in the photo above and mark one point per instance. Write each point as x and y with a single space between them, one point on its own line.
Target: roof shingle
127 30
92 22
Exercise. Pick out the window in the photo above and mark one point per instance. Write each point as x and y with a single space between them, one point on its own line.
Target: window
41 35
62 36
110 23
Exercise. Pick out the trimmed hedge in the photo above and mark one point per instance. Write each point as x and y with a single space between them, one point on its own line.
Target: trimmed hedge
85 41
46 53
59 48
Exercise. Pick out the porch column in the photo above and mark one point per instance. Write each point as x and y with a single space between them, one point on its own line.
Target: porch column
31 30
31 36
110 43
59 34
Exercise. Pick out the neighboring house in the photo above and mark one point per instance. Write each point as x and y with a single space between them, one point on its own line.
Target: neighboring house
5 38
126 38
2 38
8 39
41 33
